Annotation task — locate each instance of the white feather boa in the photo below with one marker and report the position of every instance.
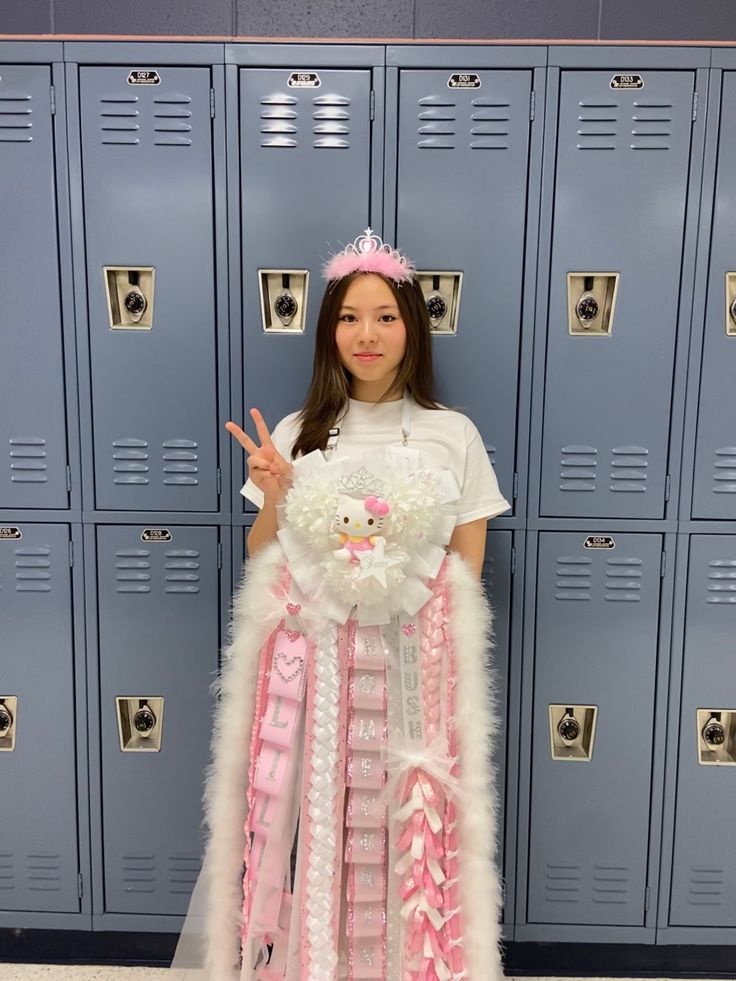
(225, 795)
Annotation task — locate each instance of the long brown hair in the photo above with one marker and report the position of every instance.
(330, 386)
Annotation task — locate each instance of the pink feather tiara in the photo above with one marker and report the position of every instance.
(368, 253)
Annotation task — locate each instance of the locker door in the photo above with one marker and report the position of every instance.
(32, 403)
(461, 200)
(704, 866)
(159, 638)
(39, 860)
(621, 190)
(148, 199)
(305, 192)
(714, 490)
(597, 617)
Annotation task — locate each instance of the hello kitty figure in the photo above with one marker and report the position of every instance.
(358, 522)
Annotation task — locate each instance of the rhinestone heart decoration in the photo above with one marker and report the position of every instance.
(292, 635)
(288, 663)
(409, 629)
(293, 609)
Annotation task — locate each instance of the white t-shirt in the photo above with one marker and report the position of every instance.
(449, 437)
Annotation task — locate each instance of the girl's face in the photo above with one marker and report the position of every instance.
(370, 337)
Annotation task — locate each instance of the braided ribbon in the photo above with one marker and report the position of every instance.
(420, 776)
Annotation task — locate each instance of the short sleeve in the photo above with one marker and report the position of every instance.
(283, 438)
(481, 496)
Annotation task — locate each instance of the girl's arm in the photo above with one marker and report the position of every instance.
(264, 528)
(470, 541)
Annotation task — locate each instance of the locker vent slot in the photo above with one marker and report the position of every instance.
(628, 467)
(562, 883)
(184, 449)
(491, 126)
(598, 126)
(119, 108)
(132, 450)
(578, 468)
(7, 877)
(183, 871)
(138, 872)
(174, 129)
(725, 471)
(129, 566)
(32, 570)
(437, 113)
(611, 884)
(181, 574)
(279, 134)
(706, 886)
(651, 122)
(722, 581)
(28, 460)
(622, 580)
(331, 135)
(43, 872)
(15, 118)
(573, 580)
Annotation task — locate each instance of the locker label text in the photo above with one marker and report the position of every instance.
(304, 80)
(144, 76)
(10, 534)
(627, 82)
(156, 535)
(599, 541)
(463, 80)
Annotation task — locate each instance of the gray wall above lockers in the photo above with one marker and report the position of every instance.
(605, 20)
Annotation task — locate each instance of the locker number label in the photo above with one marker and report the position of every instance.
(599, 541)
(627, 82)
(144, 76)
(156, 535)
(463, 80)
(304, 80)
(10, 534)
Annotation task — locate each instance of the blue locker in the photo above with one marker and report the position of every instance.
(39, 859)
(159, 636)
(305, 191)
(147, 163)
(620, 197)
(714, 478)
(596, 645)
(463, 170)
(703, 890)
(32, 402)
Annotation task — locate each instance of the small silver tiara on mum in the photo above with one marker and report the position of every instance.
(369, 253)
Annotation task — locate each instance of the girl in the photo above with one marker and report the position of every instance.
(356, 640)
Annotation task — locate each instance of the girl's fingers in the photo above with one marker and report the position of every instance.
(243, 438)
(261, 428)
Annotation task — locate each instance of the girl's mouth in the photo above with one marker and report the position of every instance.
(367, 357)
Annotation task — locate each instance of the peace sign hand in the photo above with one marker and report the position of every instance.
(266, 467)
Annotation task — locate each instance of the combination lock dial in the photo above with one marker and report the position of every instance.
(285, 306)
(714, 732)
(587, 309)
(436, 308)
(144, 721)
(6, 720)
(569, 729)
(135, 303)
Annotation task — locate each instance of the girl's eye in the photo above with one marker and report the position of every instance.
(388, 318)
(348, 318)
